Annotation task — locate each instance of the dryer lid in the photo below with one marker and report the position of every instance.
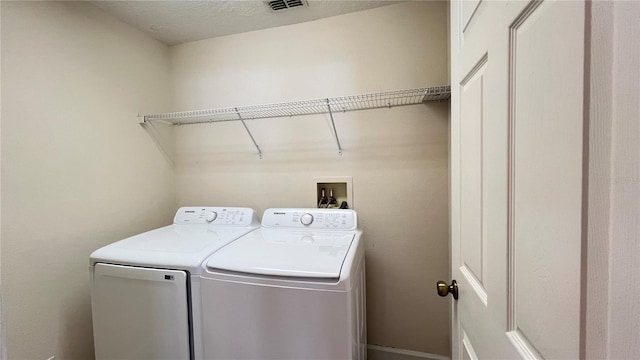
(302, 254)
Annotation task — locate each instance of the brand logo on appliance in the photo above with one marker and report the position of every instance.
(279, 213)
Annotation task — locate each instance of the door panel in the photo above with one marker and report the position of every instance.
(468, 353)
(546, 176)
(467, 11)
(516, 177)
(473, 249)
(140, 313)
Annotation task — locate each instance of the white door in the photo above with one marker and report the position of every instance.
(140, 313)
(516, 178)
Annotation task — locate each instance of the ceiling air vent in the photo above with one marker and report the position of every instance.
(280, 5)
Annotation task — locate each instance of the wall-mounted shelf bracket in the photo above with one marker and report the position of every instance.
(333, 124)
(249, 132)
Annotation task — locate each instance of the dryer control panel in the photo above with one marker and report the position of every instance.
(215, 215)
(330, 219)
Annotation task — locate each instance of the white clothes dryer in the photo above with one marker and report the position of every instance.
(293, 289)
(145, 290)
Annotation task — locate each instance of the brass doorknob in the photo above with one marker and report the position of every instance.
(444, 289)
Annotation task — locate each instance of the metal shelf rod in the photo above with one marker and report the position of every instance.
(249, 132)
(335, 132)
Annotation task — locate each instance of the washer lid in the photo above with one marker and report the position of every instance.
(182, 247)
(286, 253)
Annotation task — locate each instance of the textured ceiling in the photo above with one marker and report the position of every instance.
(176, 22)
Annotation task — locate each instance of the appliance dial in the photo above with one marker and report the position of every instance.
(211, 215)
(306, 219)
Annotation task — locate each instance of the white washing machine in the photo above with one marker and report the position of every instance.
(293, 289)
(145, 290)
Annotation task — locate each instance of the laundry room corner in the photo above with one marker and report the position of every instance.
(397, 157)
(77, 170)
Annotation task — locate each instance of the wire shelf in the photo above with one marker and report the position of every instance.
(307, 107)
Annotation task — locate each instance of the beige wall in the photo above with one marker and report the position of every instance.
(78, 172)
(2, 333)
(397, 157)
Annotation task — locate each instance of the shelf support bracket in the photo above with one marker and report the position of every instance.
(335, 132)
(249, 132)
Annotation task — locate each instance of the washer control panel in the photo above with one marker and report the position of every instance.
(330, 219)
(214, 215)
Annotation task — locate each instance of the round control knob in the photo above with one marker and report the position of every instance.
(211, 215)
(306, 219)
